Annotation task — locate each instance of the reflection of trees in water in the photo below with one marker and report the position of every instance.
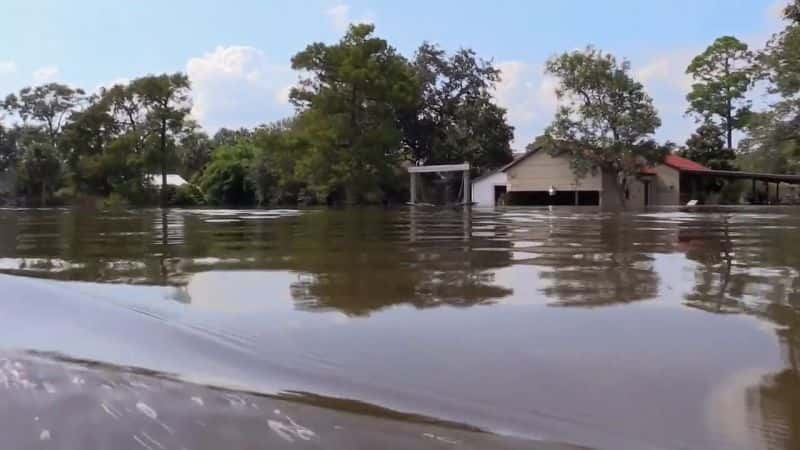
(774, 410)
(363, 261)
(750, 270)
(609, 265)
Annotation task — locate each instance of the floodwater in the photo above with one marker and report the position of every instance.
(663, 329)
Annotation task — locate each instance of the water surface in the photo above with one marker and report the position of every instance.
(664, 329)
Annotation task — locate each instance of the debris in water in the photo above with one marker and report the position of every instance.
(147, 411)
(198, 400)
(44, 435)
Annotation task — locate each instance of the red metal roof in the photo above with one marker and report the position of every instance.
(681, 163)
(678, 163)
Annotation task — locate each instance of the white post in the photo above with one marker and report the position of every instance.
(413, 188)
(467, 188)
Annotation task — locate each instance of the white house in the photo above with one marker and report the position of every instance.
(173, 179)
(539, 178)
(487, 189)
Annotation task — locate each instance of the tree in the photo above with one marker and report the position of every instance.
(8, 147)
(707, 146)
(227, 136)
(722, 75)
(49, 105)
(194, 150)
(773, 140)
(38, 168)
(273, 171)
(225, 180)
(605, 120)
(455, 118)
(351, 100)
(166, 102)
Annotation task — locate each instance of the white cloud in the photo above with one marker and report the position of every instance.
(236, 86)
(341, 18)
(340, 15)
(45, 74)
(7, 67)
(665, 80)
(529, 96)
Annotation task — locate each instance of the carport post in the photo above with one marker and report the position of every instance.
(754, 190)
(778, 192)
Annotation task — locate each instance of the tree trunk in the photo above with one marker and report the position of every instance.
(729, 125)
(163, 164)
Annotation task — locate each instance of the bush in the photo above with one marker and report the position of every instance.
(186, 195)
(226, 180)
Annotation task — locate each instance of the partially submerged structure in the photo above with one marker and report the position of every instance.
(539, 178)
(173, 179)
(415, 171)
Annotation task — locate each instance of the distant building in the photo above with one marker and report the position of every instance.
(173, 179)
(539, 178)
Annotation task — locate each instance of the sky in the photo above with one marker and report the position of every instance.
(237, 52)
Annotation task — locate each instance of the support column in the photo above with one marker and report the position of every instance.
(754, 191)
(766, 188)
(778, 192)
(413, 188)
(576, 198)
(467, 189)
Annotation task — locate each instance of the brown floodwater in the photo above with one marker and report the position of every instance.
(661, 329)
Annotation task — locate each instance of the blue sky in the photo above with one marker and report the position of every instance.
(237, 52)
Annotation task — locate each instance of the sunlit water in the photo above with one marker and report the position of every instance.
(664, 329)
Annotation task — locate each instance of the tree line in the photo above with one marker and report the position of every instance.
(363, 111)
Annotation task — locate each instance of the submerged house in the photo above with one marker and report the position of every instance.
(538, 178)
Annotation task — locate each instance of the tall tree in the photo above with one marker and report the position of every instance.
(722, 74)
(605, 120)
(351, 99)
(166, 101)
(49, 105)
(455, 118)
(707, 146)
(773, 140)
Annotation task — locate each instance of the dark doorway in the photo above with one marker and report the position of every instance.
(561, 198)
(499, 192)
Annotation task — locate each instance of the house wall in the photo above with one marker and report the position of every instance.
(541, 171)
(614, 193)
(483, 189)
(666, 188)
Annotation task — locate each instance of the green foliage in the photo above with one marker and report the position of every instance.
(455, 119)
(38, 169)
(722, 73)
(707, 146)
(48, 105)
(605, 120)
(773, 140)
(186, 195)
(350, 102)
(193, 151)
(226, 181)
(166, 102)
(273, 171)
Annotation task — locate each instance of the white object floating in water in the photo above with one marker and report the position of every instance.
(147, 411)
(44, 435)
(198, 400)
(692, 203)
